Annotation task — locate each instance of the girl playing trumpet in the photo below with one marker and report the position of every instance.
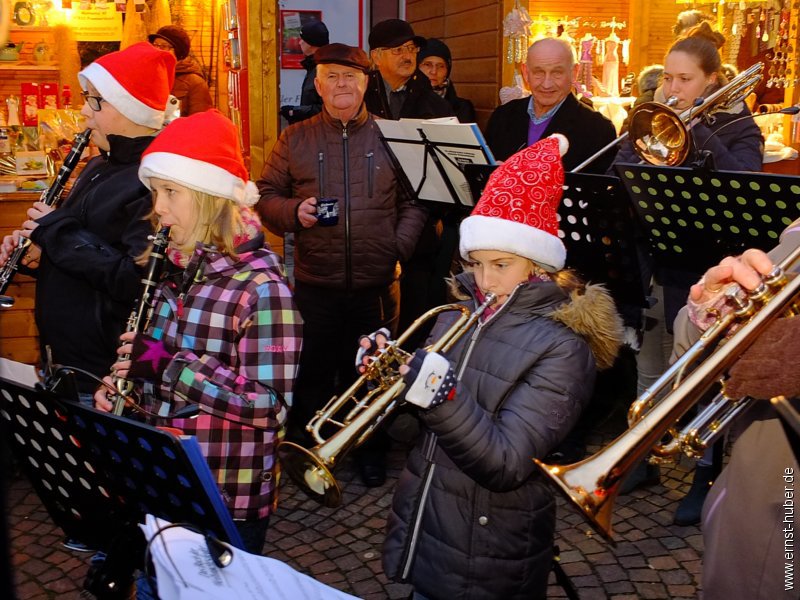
(471, 517)
(225, 335)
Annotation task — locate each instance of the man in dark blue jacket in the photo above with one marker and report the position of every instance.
(550, 71)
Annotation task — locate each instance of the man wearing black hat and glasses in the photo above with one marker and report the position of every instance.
(313, 36)
(396, 88)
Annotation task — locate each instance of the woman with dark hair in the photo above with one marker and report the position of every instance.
(692, 69)
(191, 87)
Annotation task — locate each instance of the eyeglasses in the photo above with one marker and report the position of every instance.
(406, 49)
(93, 101)
(163, 46)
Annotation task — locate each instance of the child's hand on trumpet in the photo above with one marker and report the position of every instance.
(429, 378)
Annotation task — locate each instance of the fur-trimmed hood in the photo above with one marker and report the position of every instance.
(592, 314)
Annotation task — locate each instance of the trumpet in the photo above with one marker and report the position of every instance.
(51, 196)
(141, 314)
(592, 484)
(311, 469)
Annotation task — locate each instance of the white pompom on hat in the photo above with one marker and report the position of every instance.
(136, 81)
(201, 152)
(517, 211)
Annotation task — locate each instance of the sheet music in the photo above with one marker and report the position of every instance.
(457, 144)
(18, 372)
(185, 571)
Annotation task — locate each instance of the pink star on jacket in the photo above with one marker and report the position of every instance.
(155, 353)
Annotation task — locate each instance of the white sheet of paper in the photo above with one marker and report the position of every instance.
(18, 372)
(185, 571)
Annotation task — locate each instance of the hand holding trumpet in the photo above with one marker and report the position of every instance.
(746, 270)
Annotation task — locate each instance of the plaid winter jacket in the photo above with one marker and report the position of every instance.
(234, 338)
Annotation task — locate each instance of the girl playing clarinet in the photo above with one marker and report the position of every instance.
(225, 337)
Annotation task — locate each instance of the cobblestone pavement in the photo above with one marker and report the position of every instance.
(341, 547)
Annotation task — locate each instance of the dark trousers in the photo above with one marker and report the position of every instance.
(253, 534)
(333, 320)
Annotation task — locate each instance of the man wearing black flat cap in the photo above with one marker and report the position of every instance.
(313, 36)
(190, 87)
(345, 272)
(396, 88)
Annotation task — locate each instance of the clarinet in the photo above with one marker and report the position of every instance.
(142, 311)
(51, 196)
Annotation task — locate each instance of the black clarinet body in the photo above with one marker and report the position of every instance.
(142, 312)
(51, 196)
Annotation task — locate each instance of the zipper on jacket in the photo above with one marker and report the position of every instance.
(428, 450)
(348, 261)
(370, 175)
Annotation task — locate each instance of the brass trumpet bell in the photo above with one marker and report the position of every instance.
(592, 484)
(658, 135)
(304, 465)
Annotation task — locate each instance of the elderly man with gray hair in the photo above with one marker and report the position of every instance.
(347, 257)
(550, 70)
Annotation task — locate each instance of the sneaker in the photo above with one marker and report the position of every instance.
(77, 545)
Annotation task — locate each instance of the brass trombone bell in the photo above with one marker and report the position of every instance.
(658, 134)
(592, 484)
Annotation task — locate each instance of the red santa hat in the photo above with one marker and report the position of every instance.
(136, 81)
(517, 210)
(201, 152)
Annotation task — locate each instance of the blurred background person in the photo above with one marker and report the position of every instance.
(435, 61)
(313, 36)
(190, 87)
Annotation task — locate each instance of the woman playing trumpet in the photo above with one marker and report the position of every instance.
(471, 518)
(225, 336)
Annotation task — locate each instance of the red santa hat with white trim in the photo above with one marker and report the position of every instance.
(517, 211)
(136, 81)
(201, 152)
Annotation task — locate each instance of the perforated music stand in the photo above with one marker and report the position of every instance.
(98, 473)
(693, 218)
(599, 231)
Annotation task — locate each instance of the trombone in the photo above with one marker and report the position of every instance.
(660, 136)
(592, 484)
(312, 469)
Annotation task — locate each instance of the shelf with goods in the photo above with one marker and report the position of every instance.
(27, 69)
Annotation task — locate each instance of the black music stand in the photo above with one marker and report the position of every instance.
(435, 167)
(693, 217)
(599, 231)
(98, 474)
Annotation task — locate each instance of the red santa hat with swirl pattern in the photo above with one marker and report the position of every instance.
(517, 210)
